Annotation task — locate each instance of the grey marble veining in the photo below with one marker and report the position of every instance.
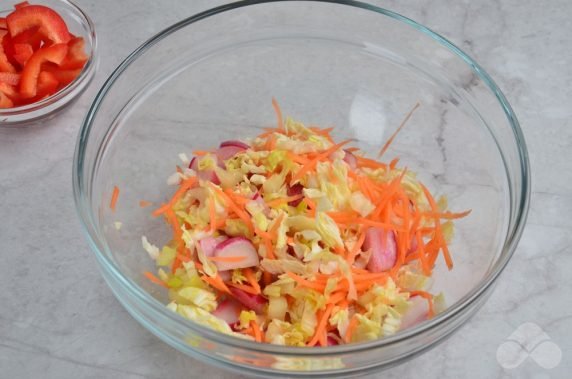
(523, 44)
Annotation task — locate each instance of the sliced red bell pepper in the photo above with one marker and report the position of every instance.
(5, 101)
(76, 57)
(29, 80)
(51, 24)
(65, 77)
(10, 78)
(5, 65)
(3, 24)
(47, 84)
(31, 36)
(21, 5)
(22, 52)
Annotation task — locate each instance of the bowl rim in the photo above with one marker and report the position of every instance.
(62, 95)
(513, 233)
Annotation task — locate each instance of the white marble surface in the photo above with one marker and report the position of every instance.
(524, 45)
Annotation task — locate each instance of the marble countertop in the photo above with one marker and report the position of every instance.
(524, 45)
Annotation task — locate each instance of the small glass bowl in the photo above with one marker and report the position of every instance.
(346, 64)
(80, 25)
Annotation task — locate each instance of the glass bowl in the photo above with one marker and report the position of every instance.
(346, 64)
(78, 24)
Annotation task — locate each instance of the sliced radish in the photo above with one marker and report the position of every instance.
(236, 247)
(332, 341)
(228, 152)
(417, 312)
(208, 244)
(383, 249)
(258, 199)
(235, 143)
(228, 310)
(225, 275)
(350, 159)
(296, 189)
(257, 303)
(208, 175)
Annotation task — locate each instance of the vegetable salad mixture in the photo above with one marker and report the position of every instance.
(295, 239)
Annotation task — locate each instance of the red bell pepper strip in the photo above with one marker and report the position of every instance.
(5, 65)
(31, 36)
(76, 57)
(47, 85)
(10, 78)
(21, 5)
(29, 80)
(3, 24)
(65, 77)
(5, 101)
(51, 24)
(22, 52)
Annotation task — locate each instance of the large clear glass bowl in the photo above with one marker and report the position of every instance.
(346, 64)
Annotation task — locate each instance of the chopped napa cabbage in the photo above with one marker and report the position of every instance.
(166, 256)
(340, 319)
(200, 297)
(366, 329)
(245, 318)
(361, 204)
(275, 186)
(151, 249)
(284, 333)
(228, 178)
(257, 179)
(283, 286)
(277, 307)
(208, 162)
(439, 304)
(411, 281)
(238, 277)
(237, 228)
(328, 229)
(275, 158)
(201, 316)
(281, 266)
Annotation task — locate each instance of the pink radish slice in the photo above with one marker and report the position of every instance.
(228, 152)
(208, 245)
(253, 302)
(228, 310)
(350, 159)
(225, 275)
(208, 175)
(235, 143)
(296, 189)
(257, 198)
(236, 247)
(417, 312)
(332, 341)
(383, 249)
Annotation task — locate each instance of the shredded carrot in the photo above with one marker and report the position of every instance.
(321, 327)
(350, 329)
(390, 140)
(278, 114)
(310, 165)
(429, 299)
(216, 282)
(201, 153)
(184, 186)
(212, 215)
(239, 212)
(154, 279)
(438, 232)
(114, 197)
(249, 274)
(306, 283)
(227, 259)
(144, 203)
(245, 288)
(284, 200)
(256, 330)
(447, 215)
